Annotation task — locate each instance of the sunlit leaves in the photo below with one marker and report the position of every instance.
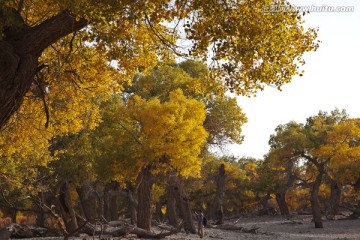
(172, 129)
(249, 47)
(329, 138)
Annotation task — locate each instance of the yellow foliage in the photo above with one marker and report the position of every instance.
(173, 129)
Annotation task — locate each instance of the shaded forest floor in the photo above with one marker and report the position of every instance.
(269, 227)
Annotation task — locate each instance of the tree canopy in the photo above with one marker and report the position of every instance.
(244, 46)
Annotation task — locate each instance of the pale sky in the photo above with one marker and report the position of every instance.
(331, 80)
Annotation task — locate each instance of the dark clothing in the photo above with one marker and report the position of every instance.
(200, 219)
(200, 224)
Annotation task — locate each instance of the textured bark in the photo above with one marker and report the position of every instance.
(314, 190)
(171, 213)
(144, 214)
(111, 196)
(210, 213)
(314, 199)
(281, 201)
(19, 53)
(335, 196)
(67, 209)
(133, 205)
(184, 206)
(89, 200)
(264, 202)
(220, 193)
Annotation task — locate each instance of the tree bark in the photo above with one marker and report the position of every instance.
(264, 202)
(171, 212)
(314, 190)
(335, 196)
(144, 214)
(133, 205)
(19, 53)
(184, 206)
(220, 192)
(67, 208)
(111, 196)
(281, 201)
(315, 205)
(89, 200)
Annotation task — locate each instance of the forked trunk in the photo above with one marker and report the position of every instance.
(281, 201)
(20, 50)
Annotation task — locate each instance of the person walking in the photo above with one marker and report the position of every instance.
(200, 218)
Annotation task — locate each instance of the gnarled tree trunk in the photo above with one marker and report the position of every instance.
(20, 50)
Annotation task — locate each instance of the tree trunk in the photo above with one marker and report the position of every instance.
(112, 189)
(107, 206)
(210, 211)
(281, 201)
(171, 200)
(335, 196)
(315, 205)
(220, 192)
(314, 190)
(89, 200)
(133, 204)
(144, 215)
(19, 53)
(67, 208)
(185, 211)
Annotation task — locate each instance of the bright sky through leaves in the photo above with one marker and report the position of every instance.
(331, 80)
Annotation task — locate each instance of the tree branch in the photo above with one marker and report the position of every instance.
(36, 39)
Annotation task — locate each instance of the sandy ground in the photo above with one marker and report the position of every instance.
(269, 227)
(277, 227)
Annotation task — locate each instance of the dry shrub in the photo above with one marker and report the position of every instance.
(4, 222)
(26, 219)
